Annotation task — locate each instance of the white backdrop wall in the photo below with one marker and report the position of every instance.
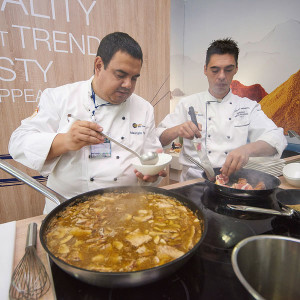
(267, 32)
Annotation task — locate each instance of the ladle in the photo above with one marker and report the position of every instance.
(148, 158)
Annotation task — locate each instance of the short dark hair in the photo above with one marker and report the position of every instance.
(223, 46)
(118, 41)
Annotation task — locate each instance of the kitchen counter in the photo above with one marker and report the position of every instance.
(21, 228)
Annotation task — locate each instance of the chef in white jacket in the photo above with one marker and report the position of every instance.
(63, 139)
(230, 128)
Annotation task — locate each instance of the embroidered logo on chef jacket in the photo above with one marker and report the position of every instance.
(241, 117)
(138, 132)
(241, 112)
(134, 125)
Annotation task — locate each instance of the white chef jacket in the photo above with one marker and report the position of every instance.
(226, 125)
(73, 173)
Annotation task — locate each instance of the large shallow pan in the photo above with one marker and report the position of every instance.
(107, 279)
(252, 176)
(284, 198)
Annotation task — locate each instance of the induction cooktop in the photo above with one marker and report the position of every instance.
(208, 274)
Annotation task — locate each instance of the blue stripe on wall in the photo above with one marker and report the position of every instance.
(5, 156)
(15, 181)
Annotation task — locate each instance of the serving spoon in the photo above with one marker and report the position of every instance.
(148, 158)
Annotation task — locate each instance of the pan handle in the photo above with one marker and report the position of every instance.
(50, 194)
(287, 212)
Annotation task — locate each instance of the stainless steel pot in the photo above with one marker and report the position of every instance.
(105, 279)
(268, 266)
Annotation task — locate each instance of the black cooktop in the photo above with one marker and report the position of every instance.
(208, 274)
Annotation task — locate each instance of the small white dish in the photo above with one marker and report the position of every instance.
(291, 173)
(163, 160)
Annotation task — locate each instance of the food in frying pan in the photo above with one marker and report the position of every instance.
(294, 206)
(123, 232)
(242, 183)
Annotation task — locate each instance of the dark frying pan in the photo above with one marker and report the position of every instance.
(284, 198)
(107, 279)
(253, 177)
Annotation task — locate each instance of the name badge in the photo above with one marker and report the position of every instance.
(101, 150)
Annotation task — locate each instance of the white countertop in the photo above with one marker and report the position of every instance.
(7, 250)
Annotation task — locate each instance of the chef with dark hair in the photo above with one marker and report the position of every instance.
(63, 139)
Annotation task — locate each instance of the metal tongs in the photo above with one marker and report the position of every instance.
(204, 163)
(293, 133)
(210, 177)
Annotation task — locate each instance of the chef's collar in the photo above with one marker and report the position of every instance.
(219, 100)
(100, 102)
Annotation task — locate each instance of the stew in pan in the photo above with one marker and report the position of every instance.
(122, 232)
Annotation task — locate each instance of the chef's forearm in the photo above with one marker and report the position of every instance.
(58, 146)
(169, 135)
(260, 148)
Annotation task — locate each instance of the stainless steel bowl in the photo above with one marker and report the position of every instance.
(268, 266)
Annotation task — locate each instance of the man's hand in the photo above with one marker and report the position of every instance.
(189, 130)
(235, 160)
(239, 157)
(153, 178)
(148, 178)
(80, 134)
(186, 130)
(83, 133)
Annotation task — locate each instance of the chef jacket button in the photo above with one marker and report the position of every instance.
(209, 135)
(117, 157)
(123, 118)
(226, 152)
(91, 179)
(115, 179)
(209, 119)
(230, 102)
(122, 138)
(228, 136)
(209, 152)
(229, 119)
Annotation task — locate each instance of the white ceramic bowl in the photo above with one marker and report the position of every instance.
(291, 173)
(163, 160)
